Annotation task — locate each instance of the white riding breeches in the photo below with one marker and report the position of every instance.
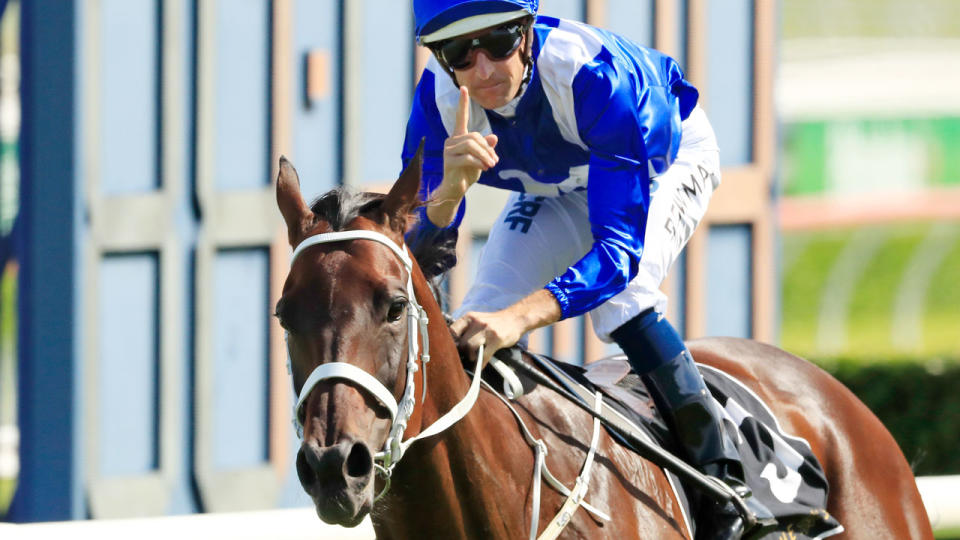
(537, 238)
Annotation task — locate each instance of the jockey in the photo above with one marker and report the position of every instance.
(612, 163)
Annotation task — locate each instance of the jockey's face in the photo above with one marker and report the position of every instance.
(492, 82)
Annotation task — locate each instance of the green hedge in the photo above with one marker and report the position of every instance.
(6, 494)
(918, 401)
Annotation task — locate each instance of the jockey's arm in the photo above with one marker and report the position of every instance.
(504, 328)
(632, 130)
(465, 156)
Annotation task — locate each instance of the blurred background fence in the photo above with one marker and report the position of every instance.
(869, 99)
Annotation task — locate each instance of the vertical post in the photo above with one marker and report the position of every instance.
(352, 95)
(49, 486)
(597, 12)
(765, 291)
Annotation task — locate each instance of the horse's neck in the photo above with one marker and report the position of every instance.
(433, 480)
(446, 380)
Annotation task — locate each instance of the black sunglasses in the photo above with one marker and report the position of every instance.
(499, 43)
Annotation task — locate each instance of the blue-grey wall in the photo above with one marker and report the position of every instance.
(729, 96)
(729, 284)
(129, 60)
(633, 19)
(129, 364)
(242, 93)
(240, 347)
(387, 87)
(567, 9)
(316, 129)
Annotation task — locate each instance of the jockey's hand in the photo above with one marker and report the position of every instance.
(465, 156)
(495, 331)
(504, 328)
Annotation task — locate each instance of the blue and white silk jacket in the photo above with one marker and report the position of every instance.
(600, 113)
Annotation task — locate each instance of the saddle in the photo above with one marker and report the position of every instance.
(781, 469)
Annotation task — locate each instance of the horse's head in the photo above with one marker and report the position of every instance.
(346, 307)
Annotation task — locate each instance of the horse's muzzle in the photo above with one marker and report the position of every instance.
(339, 479)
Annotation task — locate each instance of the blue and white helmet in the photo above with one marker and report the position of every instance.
(443, 19)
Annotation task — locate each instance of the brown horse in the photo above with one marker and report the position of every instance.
(346, 302)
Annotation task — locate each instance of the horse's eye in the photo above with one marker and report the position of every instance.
(278, 313)
(302, 415)
(396, 310)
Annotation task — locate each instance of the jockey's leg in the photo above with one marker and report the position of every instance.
(657, 353)
(633, 319)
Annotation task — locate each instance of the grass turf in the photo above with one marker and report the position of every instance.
(809, 257)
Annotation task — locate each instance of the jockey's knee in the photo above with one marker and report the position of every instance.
(648, 340)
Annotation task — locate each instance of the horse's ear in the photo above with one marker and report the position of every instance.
(403, 196)
(296, 213)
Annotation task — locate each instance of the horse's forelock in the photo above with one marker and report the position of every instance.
(338, 207)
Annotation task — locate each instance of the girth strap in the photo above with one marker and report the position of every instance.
(541, 470)
(575, 499)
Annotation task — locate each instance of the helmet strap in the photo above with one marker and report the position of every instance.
(446, 68)
(527, 56)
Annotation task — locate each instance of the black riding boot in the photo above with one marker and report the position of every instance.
(694, 417)
(696, 421)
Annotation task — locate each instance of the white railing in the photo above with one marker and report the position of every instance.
(940, 495)
(293, 524)
(9, 459)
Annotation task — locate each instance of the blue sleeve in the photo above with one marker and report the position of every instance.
(425, 123)
(620, 118)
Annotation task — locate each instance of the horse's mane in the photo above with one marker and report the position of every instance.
(434, 250)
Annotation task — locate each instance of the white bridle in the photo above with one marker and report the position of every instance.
(394, 447)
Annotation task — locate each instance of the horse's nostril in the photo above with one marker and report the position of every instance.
(304, 471)
(359, 462)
